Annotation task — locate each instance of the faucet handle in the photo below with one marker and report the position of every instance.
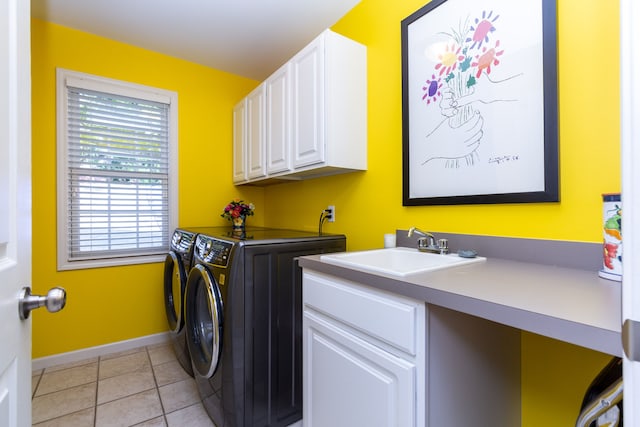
(443, 244)
(423, 243)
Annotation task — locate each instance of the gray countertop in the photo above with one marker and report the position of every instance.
(565, 303)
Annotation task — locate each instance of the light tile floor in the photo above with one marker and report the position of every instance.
(141, 387)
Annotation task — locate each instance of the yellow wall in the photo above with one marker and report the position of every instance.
(369, 204)
(555, 376)
(113, 304)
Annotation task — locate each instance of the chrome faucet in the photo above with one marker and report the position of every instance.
(431, 238)
(427, 243)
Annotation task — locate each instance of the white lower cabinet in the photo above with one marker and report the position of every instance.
(375, 358)
(363, 355)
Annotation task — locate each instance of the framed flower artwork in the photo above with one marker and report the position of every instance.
(479, 103)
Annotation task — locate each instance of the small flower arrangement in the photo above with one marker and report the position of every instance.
(237, 208)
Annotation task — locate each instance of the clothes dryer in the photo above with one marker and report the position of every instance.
(177, 264)
(243, 309)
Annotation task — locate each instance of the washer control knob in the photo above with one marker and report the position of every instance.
(55, 300)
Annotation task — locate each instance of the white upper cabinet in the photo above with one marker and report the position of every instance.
(330, 105)
(278, 111)
(249, 161)
(315, 114)
(308, 103)
(240, 142)
(256, 161)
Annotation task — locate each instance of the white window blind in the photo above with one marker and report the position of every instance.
(117, 175)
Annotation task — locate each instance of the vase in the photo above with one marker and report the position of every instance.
(238, 224)
(612, 240)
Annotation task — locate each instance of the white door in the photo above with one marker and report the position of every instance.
(630, 118)
(15, 211)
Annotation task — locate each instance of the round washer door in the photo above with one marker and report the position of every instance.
(203, 312)
(175, 283)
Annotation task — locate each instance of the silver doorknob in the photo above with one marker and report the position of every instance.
(54, 301)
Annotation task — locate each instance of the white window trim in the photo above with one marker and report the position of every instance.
(103, 84)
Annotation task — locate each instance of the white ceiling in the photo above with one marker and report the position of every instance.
(250, 38)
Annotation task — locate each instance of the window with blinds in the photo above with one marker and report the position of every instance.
(116, 152)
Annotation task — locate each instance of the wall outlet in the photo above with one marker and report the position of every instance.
(331, 213)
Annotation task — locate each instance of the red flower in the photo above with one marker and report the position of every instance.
(237, 208)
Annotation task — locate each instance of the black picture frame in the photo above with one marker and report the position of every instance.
(465, 143)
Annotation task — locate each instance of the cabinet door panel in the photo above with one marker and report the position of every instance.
(308, 105)
(256, 167)
(400, 326)
(349, 382)
(278, 132)
(239, 142)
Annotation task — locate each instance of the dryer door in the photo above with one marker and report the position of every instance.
(203, 312)
(175, 281)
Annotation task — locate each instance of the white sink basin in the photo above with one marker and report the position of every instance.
(397, 261)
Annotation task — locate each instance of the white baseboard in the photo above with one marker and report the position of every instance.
(101, 350)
